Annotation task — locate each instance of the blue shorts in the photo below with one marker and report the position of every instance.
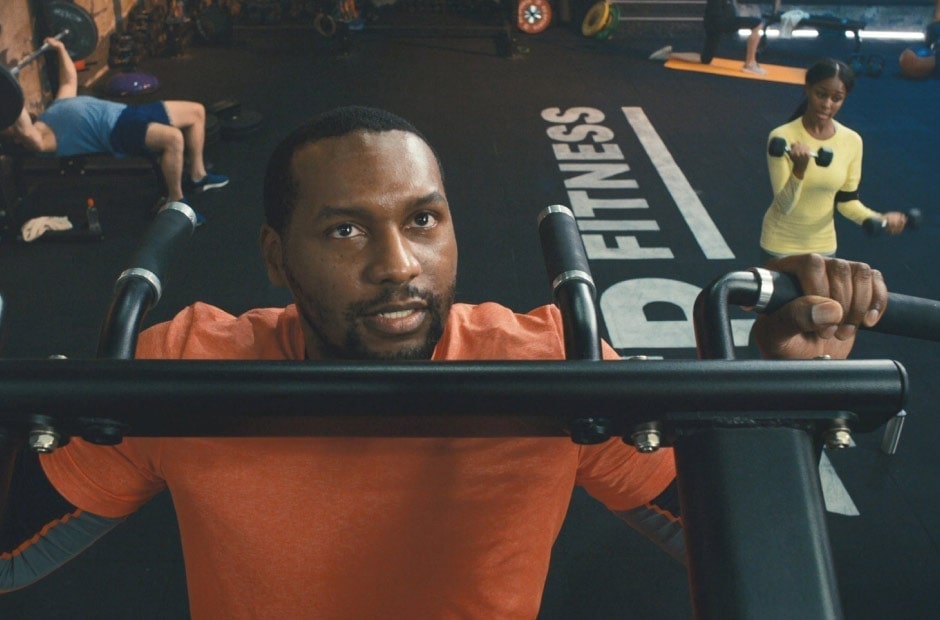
(130, 130)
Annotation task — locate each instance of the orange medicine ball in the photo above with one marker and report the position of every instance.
(917, 64)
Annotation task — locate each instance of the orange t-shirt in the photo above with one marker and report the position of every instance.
(359, 527)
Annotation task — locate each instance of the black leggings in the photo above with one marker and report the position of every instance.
(714, 32)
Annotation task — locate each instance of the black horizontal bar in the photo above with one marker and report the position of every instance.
(219, 398)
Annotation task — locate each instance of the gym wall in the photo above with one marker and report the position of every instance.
(16, 42)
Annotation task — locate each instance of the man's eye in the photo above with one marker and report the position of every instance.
(425, 220)
(344, 231)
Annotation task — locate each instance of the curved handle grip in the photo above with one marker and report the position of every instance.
(913, 317)
(572, 284)
(170, 230)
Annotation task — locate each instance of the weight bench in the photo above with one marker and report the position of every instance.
(818, 22)
(86, 165)
(46, 185)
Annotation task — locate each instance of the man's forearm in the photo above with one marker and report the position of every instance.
(68, 75)
(41, 530)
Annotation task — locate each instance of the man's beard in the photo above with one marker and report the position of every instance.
(353, 348)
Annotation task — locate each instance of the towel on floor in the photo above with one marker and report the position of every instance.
(36, 227)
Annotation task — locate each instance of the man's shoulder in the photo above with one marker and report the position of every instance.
(493, 331)
(209, 332)
(493, 313)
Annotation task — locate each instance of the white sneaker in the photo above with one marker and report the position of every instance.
(756, 69)
(662, 53)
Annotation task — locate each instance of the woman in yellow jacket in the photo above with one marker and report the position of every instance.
(801, 219)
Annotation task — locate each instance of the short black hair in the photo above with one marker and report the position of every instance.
(280, 188)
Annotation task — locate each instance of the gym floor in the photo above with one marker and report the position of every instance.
(484, 113)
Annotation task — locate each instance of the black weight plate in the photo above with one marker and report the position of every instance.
(213, 128)
(225, 108)
(241, 124)
(82, 38)
(214, 24)
(11, 98)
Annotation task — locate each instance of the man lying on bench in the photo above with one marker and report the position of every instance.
(76, 125)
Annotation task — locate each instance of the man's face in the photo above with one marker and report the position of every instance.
(369, 253)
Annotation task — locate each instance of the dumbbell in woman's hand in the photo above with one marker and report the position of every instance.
(874, 226)
(778, 147)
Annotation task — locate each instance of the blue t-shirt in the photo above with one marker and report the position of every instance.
(82, 124)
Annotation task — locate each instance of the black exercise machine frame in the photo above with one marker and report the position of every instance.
(757, 543)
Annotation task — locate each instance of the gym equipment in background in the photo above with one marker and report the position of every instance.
(127, 47)
(601, 20)
(75, 27)
(533, 16)
(234, 120)
(917, 62)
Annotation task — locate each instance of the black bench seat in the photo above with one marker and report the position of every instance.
(819, 22)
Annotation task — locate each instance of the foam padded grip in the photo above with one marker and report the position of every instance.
(169, 231)
(562, 248)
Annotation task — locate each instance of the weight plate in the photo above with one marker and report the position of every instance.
(325, 25)
(612, 22)
(596, 19)
(11, 98)
(241, 124)
(215, 24)
(213, 128)
(533, 16)
(82, 38)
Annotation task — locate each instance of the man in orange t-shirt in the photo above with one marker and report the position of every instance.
(359, 229)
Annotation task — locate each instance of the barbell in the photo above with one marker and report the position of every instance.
(75, 27)
(15, 70)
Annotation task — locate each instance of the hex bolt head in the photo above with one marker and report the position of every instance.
(43, 440)
(838, 437)
(646, 440)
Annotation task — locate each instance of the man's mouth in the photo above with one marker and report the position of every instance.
(397, 321)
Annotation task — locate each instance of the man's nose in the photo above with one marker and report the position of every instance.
(394, 259)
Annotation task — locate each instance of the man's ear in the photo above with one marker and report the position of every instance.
(272, 251)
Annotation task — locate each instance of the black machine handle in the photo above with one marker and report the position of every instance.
(139, 287)
(766, 291)
(914, 317)
(572, 284)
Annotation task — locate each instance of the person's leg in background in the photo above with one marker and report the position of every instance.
(189, 118)
(167, 141)
(750, 55)
(712, 38)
